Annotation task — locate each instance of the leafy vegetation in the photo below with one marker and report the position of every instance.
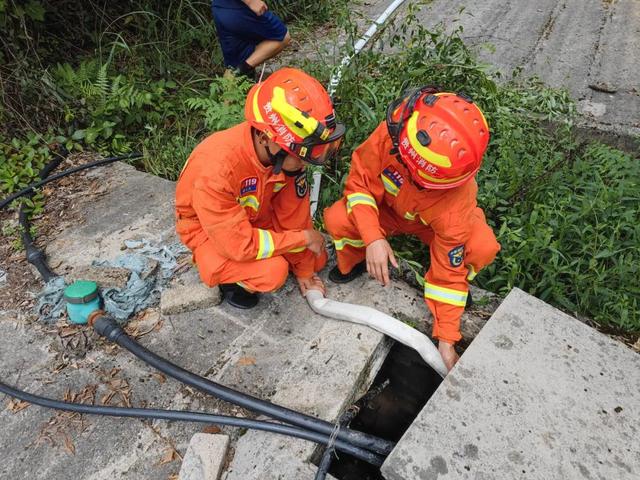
(563, 211)
(150, 79)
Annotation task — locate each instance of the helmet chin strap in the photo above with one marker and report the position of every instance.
(276, 159)
(294, 173)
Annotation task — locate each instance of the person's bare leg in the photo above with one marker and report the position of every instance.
(267, 49)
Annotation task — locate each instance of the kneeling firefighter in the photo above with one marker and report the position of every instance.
(242, 200)
(415, 175)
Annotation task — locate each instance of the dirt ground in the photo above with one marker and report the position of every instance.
(22, 281)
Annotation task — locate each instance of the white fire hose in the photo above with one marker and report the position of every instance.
(350, 312)
(381, 322)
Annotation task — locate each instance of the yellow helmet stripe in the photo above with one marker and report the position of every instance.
(424, 152)
(443, 181)
(295, 120)
(484, 120)
(256, 107)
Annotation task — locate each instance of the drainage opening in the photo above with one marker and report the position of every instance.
(390, 413)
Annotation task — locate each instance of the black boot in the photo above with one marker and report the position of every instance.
(338, 277)
(247, 70)
(238, 297)
(469, 300)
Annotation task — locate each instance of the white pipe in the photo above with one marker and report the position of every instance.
(335, 80)
(315, 191)
(362, 41)
(381, 322)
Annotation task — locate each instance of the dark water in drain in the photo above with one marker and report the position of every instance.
(389, 415)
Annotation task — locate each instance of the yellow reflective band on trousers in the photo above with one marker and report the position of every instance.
(266, 246)
(360, 198)
(410, 216)
(278, 186)
(445, 295)
(297, 250)
(249, 201)
(341, 242)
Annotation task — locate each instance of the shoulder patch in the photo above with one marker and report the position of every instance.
(456, 256)
(392, 180)
(248, 185)
(394, 175)
(301, 185)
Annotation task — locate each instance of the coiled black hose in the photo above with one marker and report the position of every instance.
(357, 444)
(108, 328)
(186, 416)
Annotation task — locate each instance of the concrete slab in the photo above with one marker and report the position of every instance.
(584, 47)
(205, 457)
(135, 205)
(279, 351)
(186, 298)
(537, 395)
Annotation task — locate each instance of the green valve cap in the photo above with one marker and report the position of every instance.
(82, 299)
(81, 291)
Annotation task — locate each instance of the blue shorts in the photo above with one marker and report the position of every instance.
(240, 30)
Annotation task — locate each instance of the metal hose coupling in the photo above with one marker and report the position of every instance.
(105, 326)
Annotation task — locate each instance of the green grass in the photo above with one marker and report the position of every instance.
(565, 212)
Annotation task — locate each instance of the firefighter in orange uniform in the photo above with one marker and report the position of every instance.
(415, 175)
(242, 200)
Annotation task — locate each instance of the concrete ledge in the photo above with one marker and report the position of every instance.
(187, 298)
(205, 457)
(537, 395)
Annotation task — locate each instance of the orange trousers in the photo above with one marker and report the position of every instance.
(479, 251)
(257, 276)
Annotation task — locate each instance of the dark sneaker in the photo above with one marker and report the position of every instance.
(238, 297)
(338, 277)
(247, 70)
(469, 300)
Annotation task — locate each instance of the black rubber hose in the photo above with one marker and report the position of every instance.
(108, 328)
(327, 457)
(186, 416)
(98, 163)
(344, 421)
(34, 255)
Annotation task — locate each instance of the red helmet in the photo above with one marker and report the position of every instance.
(296, 112)
(440, 137)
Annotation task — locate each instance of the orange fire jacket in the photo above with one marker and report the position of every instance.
(378, 180)
(224, 194)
